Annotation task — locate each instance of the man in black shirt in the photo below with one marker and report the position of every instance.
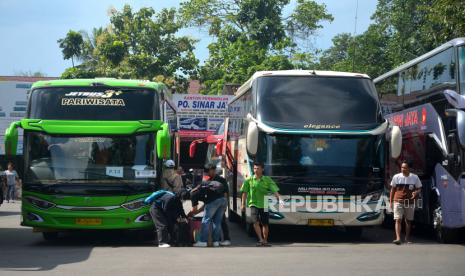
(213, 192)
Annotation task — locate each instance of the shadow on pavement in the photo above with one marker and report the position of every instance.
(23, 250)
(9, 213)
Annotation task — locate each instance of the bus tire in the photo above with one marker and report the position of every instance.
(442, 234)
(50, 236)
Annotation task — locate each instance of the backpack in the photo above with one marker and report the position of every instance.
(215, 186)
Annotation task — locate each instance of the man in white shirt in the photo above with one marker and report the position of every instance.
(405, 188)
(11, 177)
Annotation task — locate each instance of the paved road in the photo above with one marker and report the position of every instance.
(296, 251)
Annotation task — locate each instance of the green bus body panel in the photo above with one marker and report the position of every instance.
(91, 127)
(106, 82)
(58, 218)
(117, 218)
(11, 139)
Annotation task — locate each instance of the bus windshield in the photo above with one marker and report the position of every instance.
(56, 159)
(306, 156)
(318, 102)
(94, 103)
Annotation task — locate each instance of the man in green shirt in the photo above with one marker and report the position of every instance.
(254, 189)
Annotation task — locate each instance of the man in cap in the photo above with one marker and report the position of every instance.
(171, 181)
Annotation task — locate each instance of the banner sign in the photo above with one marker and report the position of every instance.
(200, 115)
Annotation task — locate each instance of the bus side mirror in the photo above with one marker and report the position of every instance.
(252, 139)
(11, 139)
(395, 142)
(460, 117)
(192, 149)
(163, 142)
(219, 147)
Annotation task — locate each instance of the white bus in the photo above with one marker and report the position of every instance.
(320, 135)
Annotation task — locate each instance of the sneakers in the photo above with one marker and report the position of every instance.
(164, 245)
(200, 244)
(216, 244)
(398, 242)
(225, 243)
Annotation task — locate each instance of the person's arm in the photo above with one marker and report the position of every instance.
(195, 203)
(244, 199)
(391, 196)
(226, 187)
(392, 192)
(180, 209)
(417, 190)
(178, 185)
(244, 189)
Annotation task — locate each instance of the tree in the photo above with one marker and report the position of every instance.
(30, 73)
(446, 21)
(71, 45)
(402, 30)
(251, 35)
(141, 45)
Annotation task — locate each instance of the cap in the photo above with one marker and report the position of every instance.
(169, 163)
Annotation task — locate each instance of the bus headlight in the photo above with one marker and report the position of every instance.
(134, 205)
(39, 203)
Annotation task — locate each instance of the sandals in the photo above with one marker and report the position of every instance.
(262, 244)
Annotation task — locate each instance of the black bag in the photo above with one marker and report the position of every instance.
(182, 234)
(214, 186)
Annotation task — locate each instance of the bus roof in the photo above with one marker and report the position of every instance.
(259, 74)
(97, 82)
(454, 42)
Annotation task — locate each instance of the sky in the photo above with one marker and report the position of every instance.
(29, 29)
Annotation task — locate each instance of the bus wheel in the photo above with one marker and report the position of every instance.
(354, 232)
(50, 236)
(443, 234)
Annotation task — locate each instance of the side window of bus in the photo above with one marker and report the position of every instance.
(431, 75)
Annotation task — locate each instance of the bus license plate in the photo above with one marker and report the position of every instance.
(88, 221)
(321, 222)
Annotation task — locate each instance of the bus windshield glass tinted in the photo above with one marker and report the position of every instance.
(94, 103)
(315, 102)
(52, 159)
(296, 155)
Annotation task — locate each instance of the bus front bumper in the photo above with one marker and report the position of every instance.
(58, 219)
(349, 217)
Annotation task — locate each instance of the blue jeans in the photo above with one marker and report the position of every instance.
(214, 212)
(10, 192)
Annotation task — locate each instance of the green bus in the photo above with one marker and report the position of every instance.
(93, 150)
